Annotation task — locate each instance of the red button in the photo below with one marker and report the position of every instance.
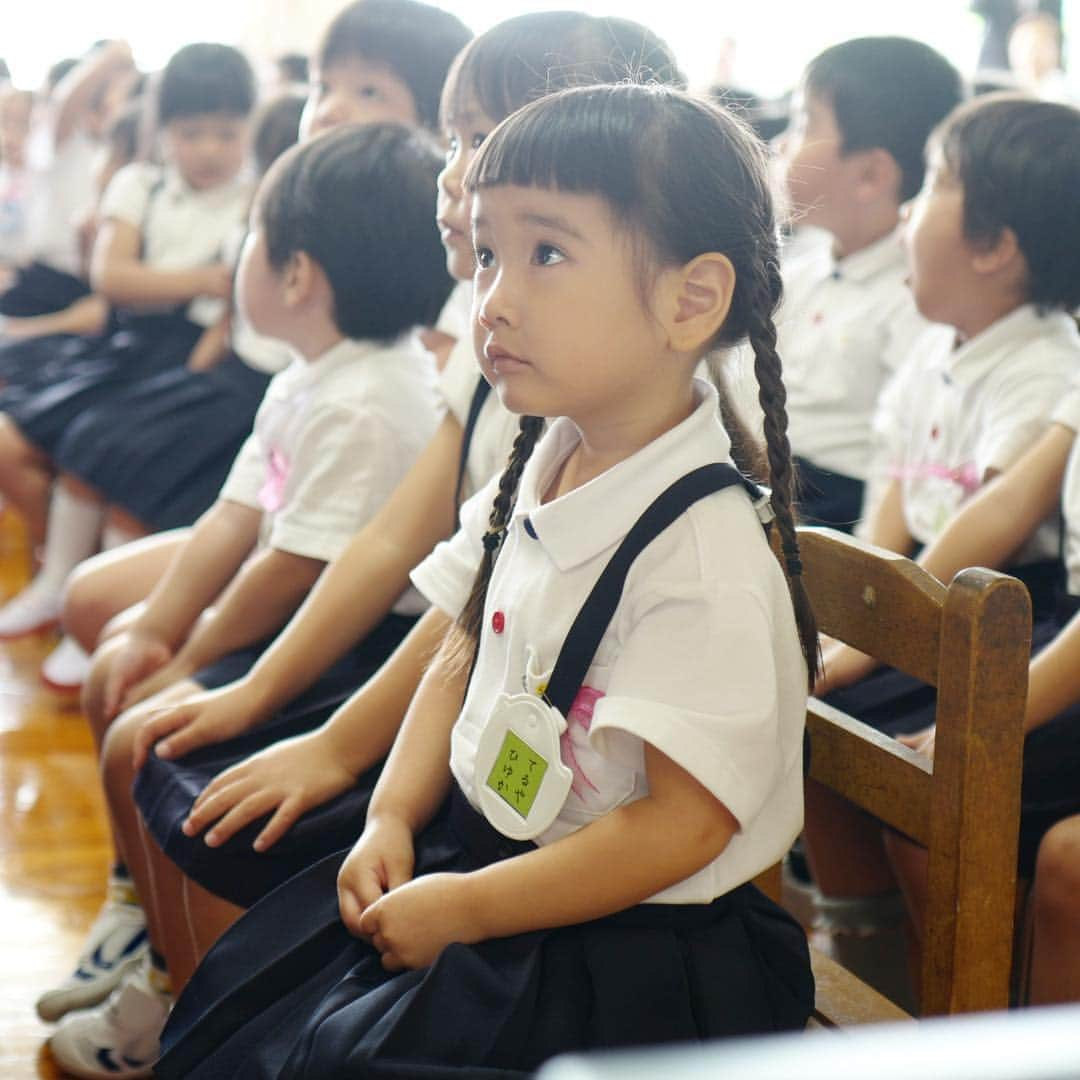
(498, 622)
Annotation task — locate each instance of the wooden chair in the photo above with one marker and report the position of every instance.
(972, 641)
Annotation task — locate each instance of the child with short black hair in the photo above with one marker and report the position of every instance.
(342, 262)
(988, 262)
(853, 155)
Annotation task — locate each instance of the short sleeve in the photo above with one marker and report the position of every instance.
(247, 475)
(697, 679)
(128, 194)
(342, 470)
(1019, 413)
(458, 379)
(445, 577)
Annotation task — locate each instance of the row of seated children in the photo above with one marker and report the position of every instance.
(586, 44)
(138, 648)
(128, 425)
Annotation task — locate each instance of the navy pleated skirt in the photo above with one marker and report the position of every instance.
(39, 289)
(288, 992)
(899, 704)
(163, 446)
(165, 790)
(96, 372)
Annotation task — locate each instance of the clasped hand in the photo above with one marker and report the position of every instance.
(408, 921)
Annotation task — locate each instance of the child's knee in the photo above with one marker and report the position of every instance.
(88, 604)
(117, 770)
(1057, 868)
(15, 450)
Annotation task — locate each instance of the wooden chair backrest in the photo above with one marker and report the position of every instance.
(972, 641)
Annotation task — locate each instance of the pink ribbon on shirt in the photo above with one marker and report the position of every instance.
(272, 493)
(966, 476)
(581, 713)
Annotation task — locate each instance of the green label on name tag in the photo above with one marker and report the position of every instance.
(517, 773)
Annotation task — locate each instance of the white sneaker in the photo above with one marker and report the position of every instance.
(116, 943)
(118, 1038)
(66, 667)
(37, 607)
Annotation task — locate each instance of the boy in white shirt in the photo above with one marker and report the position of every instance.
(853, 155)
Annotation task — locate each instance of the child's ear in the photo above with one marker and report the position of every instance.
(991, 258)
(700, 299)
(878, 174)
(300, 276)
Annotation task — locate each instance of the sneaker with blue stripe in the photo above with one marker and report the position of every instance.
(115, 944)
(118, 1039)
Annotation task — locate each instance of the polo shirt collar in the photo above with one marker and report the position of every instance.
(880, 256)
(578, 526)
(176, 187)
(979, 355)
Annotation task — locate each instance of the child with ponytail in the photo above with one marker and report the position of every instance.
(633, 660)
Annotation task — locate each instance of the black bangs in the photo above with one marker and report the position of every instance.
(583, 140)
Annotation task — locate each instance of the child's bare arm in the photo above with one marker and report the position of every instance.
(361, 584)
(1003, 514)
(258, 601)
(75, 95)
(220, 541)
(296, 775)
(618, 861)
(118, 272)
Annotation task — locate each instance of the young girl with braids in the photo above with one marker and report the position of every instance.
(633, 659)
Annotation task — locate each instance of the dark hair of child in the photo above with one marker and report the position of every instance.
(887, 93)
(617, 142)
(1018, 162)
(205, 78)
(358, 200)
(531, 55)
(54, 76)
(125, 131)
(294, 66)
(416, 41)
(277, 127)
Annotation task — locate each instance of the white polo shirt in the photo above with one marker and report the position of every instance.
(954, 414)
(332, 440)
(496, 428)
(62, 196)
(701, 659)
(842, 330)
(181, 228)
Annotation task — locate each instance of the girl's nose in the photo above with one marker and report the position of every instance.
(494, 307)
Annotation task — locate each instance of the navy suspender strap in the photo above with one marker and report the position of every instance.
(579, 648)
(480, 395)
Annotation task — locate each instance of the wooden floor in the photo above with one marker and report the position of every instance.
(54, 848)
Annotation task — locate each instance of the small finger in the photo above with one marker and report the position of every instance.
(237, 818)
(285, 817)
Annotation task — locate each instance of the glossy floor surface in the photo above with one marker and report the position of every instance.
(54, 849)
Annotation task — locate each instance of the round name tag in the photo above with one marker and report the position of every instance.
(521, 778)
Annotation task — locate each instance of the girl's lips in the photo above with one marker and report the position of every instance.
(501, 359)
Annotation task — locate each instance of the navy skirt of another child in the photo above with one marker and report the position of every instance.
(827, 498)
(899, 704)
(162, 447)
(39, 289)
(165, 790)
(139, 346)
(287, 992)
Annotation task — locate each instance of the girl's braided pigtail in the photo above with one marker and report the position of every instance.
(773, 399)
(467, 631)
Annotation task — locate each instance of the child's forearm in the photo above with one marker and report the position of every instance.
(259, 600)
(416, 777)
(363, 729)
(888, 529)
(1004, 513)
(220, 541)
(134, 284)
(618, 861)
(86, 317)
(1054, 677)
(360, 586)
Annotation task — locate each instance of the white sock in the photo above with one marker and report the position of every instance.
(113, 536)
(72, 535)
